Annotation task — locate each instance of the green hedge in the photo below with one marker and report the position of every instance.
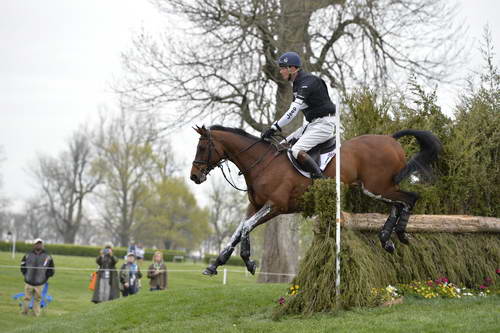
(233, 260)
(87, 251)
(466, 259)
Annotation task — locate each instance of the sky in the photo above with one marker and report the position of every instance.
(58, 61)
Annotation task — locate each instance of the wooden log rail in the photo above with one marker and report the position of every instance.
(425, 223)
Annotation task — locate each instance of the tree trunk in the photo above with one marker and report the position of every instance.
(281, 249)
(281, 241)
(69, 236)
(425, 223)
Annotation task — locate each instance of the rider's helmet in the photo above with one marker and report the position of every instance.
(289, 59)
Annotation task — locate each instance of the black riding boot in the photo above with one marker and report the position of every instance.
(310, 165)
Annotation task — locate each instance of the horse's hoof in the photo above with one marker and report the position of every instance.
(251, 267)
(403, 237)
(384, 236)
(210, 271)
(389, 247)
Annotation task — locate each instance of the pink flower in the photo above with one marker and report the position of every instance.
(498, 271)
(429, 283)
(281, 301)
(442, 280)
(482, 286)
(488, 281)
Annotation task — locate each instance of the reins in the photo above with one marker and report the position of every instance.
(225, 157)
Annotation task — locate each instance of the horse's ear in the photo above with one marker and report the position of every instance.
(200, 130)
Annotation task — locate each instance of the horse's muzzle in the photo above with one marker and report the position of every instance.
(198, 179)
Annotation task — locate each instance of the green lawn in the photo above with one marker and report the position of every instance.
(198, 303)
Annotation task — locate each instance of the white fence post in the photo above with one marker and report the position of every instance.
(224, 279)
(337, 180)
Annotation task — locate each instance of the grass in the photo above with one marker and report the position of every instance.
(196, 303)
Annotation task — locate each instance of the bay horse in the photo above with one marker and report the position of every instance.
(377, 163)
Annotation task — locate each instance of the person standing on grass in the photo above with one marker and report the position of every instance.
(157, 273)
(139, 253)
(130, 274)
(107, 285)
(37, 267)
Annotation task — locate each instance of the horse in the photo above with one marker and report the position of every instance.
(377, 163)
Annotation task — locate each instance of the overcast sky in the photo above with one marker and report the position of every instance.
(58, 58)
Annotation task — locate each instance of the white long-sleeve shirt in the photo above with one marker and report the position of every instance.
(297, 105)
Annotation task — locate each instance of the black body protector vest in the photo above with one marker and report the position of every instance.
(313, 91)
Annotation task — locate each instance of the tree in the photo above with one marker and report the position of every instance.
(3, 200)
(226, 70)
(37, 223)
(124, 158)
(170, 217)
(231, 71)
(473, 163)
(65, 182)
(227, 210)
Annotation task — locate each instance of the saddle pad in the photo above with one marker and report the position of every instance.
(324, 159)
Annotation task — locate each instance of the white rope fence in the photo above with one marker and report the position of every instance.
(224, 279)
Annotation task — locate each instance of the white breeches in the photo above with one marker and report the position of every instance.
(311, 134)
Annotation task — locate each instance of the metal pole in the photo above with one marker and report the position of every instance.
(224, 279)
(14, 238)
(14, 245)
(337, 181)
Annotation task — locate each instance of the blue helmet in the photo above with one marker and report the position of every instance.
(289, 59)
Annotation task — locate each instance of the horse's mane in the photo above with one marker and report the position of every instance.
(238, 131)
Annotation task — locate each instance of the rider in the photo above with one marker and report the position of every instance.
(310, 95)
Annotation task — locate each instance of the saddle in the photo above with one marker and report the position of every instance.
(322, 154)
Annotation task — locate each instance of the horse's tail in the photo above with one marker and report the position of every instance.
(430, 147)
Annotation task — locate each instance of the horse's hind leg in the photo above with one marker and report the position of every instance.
(403, 203)
(404, 215)
(386, 231)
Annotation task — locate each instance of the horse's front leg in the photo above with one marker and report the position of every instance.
(226, 252)
(263, 215)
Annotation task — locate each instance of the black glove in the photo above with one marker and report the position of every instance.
(268, 133)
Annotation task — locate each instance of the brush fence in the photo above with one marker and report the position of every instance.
(465, 249)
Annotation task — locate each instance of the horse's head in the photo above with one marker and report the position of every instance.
(209, 154)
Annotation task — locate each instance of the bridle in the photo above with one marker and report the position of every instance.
(210, 166)
(223, 159)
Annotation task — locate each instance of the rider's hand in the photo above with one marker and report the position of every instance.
(269, 132)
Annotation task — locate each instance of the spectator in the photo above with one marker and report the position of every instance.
(130, 274)
(107, 286)
(131, 249)
(139, 253)
(157, 273)
(37, 267)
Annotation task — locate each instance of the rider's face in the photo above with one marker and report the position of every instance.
(288, 73)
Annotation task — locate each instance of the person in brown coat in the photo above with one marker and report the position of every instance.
(157, 273)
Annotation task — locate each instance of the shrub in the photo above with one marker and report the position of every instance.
(87, 251)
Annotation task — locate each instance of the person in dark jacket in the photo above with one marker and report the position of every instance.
(310, 96)
(130, 274)
(37, 267)
(107, 285)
